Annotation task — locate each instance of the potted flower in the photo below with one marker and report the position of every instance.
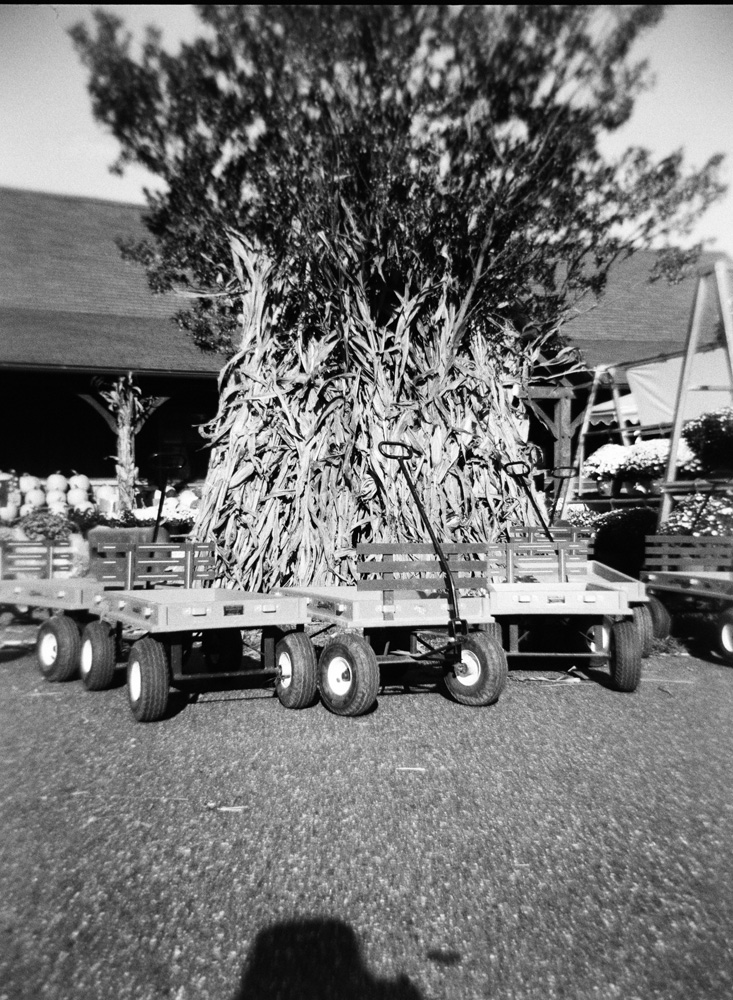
(710, 436)
(603, 465)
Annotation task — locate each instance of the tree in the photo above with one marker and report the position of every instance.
(413, 194)
(125, 412)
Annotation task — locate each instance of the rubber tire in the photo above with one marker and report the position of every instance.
(625, 659)
(58, 645)
(485, 654)
(97, 660)
(222, 649)
(148, 691)
(494, 631)
(724, 635)
(361, 662)
(645, 628)
(297, 671)
(661, 618)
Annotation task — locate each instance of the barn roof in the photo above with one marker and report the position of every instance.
(637, 319)
(68, 301)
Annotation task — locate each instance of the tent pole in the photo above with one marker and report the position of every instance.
(580, 449)
(693, 336)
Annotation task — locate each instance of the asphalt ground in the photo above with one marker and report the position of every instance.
(568, 842)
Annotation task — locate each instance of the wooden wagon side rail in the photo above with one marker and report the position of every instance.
(131, 565)
(675, 553)
(24, 560)
(475, 566)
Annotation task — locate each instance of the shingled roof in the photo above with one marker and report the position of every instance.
(637, 319)
(69, 302)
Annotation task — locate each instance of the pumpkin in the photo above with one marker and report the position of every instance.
(8, 513)
(77, 496)
(187, 498)
(107, 493)
(57, 483)
(35, 497)
(79, 482)
(58, 507)
(26, 508)
(55, 496)
(27, 483)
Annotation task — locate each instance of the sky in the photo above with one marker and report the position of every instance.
(50, 142)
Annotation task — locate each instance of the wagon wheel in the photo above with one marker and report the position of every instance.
(297, 673)
(661, 618)
(724, 635)
(57, 648)
(148, 680)
(97, 660)
(625, 656)
(480, 676)
(348, 675)
(645, 627)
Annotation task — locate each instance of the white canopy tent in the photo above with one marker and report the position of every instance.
(666, 391)
(654, 386)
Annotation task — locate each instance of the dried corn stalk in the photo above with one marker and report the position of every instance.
(296, 478)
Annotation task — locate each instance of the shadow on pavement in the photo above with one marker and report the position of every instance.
(314, 960)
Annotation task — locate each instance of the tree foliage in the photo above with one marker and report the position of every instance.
(387, 212)
(461, 142)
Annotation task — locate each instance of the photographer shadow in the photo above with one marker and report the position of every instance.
(318, 959)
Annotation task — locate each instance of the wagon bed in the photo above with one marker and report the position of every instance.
(403, 585)
(690, 566)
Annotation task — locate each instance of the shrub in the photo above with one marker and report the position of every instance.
(711, 438)
(701, 514)
(620, 538)
(641, 460)
(42, 526)
(604, 463)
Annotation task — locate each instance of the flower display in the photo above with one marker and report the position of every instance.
(701, 514)
(710, 436)
(604, 463)
(641, 460)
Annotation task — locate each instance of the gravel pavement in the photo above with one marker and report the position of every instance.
(569, 842)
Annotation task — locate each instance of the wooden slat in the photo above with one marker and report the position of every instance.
(373, 566)
(432, 583)
(664, 552)
(418, 548)
(34, 560)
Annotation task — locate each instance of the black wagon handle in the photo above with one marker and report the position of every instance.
(400, 451)
(397, 449)
(517, 469)
(563, 472)
(520, 471)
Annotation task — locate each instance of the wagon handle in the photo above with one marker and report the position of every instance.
(517, 469)
(563, 472)
(400, 450)
(520, 471)
(397, 449)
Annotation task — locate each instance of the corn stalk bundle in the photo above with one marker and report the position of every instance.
(296, 478)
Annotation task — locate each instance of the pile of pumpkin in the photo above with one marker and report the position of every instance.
(57, 495)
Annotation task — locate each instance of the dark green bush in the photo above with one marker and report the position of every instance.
(711, 438)
(619, 539)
